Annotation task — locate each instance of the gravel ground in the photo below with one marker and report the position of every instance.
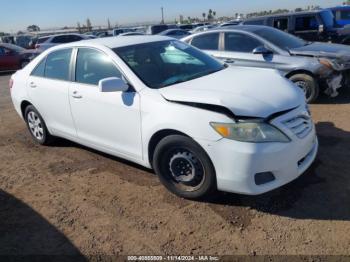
(68, 199)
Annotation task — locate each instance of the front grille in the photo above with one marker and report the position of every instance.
(300, 125)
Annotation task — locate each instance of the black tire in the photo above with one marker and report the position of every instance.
(36, 126)
(175, 155)
(309, 85)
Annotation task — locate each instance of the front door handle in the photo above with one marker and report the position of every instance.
(32, 85)
(76, 95)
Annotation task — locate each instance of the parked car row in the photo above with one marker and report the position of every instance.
(309, 65)
(14, 57)
(153, 100)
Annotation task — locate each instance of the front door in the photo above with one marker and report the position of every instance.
(109, 120)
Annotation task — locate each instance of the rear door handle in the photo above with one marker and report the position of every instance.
(76, 95)
(32, 85)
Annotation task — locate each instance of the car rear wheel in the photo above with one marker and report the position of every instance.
(184, 168)
(308, 84)
(37, 126)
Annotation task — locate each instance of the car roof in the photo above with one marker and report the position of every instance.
(49, 36)
(286, 14)
(250, 28)
(115, 42)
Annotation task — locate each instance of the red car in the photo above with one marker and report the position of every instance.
(14, 57)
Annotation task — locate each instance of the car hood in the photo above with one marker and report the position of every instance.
(248, 92)
(323, 50)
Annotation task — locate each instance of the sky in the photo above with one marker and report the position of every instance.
(18, 14)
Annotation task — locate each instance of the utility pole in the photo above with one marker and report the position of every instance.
(162, 9)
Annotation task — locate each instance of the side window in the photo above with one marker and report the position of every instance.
(58, 39)
(281, 23)
(237, 42)
(57, 64)
(207, 41)
(305, 23)
(254, 22)
(2, 51)
(93, 66)
(39, 70)
(72, 38)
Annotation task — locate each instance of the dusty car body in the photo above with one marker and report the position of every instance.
(266, 47)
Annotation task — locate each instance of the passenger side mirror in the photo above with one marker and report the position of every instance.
(112, 84)
(262, 50)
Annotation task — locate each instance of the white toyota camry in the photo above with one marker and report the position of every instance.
(166, 105)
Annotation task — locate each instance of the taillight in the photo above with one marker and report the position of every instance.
(10, 83)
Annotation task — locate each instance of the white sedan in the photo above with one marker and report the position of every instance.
(166, 105)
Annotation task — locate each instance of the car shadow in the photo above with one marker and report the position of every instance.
(323, 192)
(25, 234)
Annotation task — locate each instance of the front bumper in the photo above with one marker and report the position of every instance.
(237, 163)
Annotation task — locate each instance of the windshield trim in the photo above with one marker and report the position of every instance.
(116, 51)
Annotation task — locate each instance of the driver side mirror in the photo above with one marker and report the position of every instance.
(112, 84)
(262, 50)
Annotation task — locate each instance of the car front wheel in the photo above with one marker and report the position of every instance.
(308, 84)
(37, 126)
(184, 168)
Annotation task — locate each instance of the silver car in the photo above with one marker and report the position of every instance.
(266, 47)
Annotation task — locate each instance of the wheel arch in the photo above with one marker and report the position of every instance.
(157, 137)
(300, 71)
(24, 105)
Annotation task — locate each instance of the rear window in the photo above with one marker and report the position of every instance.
(254, 22)
(42, 40)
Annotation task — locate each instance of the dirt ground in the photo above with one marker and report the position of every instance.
(68, 199)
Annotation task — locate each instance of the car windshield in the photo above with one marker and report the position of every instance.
(280, 39)
(164, 63)
(327, 18)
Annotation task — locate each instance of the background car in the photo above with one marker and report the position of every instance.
(13, 57)
(118, 31)
(262, 46)
(341, 14)
(156, 29)
(316, 25)
(46, 42)
(131, 33)
(202, 28)
(175, 33)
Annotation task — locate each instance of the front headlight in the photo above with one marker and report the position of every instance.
(254, 132)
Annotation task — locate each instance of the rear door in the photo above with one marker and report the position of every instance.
(48, 87)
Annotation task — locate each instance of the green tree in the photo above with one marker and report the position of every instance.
(204, 15)
(33, 28)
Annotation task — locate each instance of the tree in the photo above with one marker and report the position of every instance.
(88, 25)
(214, 14)
(204, 15)
(109, 24)
(33, 28)
(210, 15)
